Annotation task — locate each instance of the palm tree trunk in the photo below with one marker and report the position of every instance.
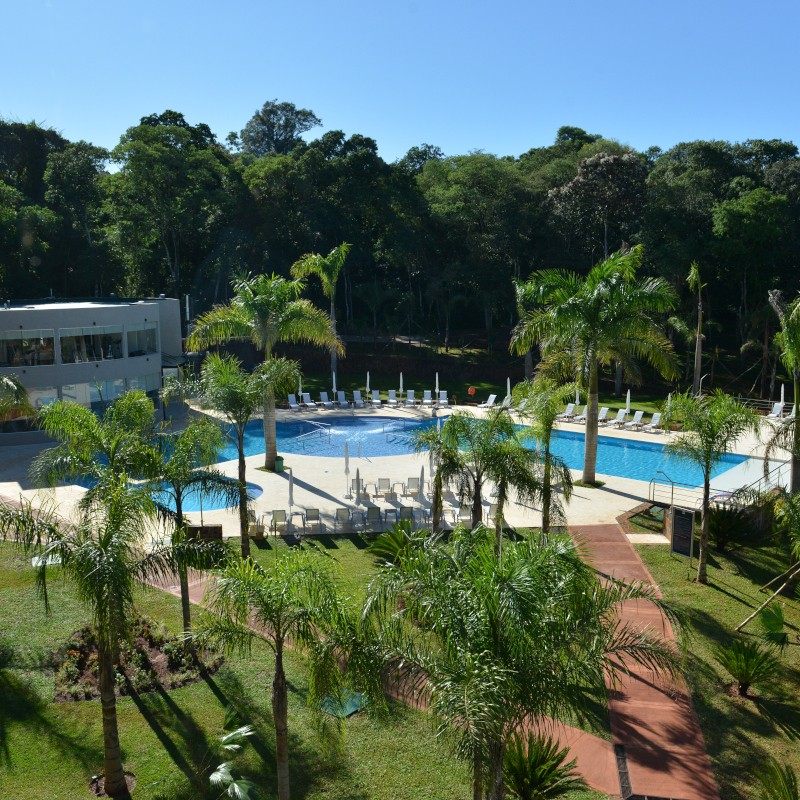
(546, 489)
(477, 779)
(270, 437)
(280, 715)
(497, 789)
(590, 445)
(702, 577)
(114, 774)
(436, 502)
(618, 379)
(333, 328)
(183, 577)
(243, 520)
(477, 506)
(529, 365)
(698, 348)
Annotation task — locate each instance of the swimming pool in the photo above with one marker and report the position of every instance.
(195, 501)
(372, 437)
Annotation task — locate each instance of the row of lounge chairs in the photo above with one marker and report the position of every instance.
(358, 401)
(777, 412)
(569, 415)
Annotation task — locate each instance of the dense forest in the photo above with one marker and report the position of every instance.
(436, 239)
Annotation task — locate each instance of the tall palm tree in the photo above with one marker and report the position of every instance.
(227, 388)
(265, 309)
(102, 556)
(540, 401)
(327, 269)
(586, 323)
(696, 285)
(295, 601)
(181, 468)
(493, 642)
(13, 398)
(712, 424)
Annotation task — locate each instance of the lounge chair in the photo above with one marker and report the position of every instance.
(293, 404)
(618, 420)
(791, 414)
(392, 401)
(489, 403)
(443, 401)
(427, 400)
(602, 416)
(582, 416)
(376, 399)
(324, 401)
(307, 401)
(411, 399)
(568, 413)
(341, 400)
(373, 520)
(407, 514)
(383, 488)
(278, 521)
(411, 487)
(311, 517)
(357, 401)
(654, 424)
(636, 422)
(342, 519)
(777, 411)
(357, 487)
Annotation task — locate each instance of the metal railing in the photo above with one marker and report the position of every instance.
(319, 429)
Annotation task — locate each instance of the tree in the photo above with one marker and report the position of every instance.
(327, 269)
(296, 601)
(494, 641)
(102, 556)
(583, 324)
(712, 424)
(225, 387)
(265, 309)
(540, 401)
(777, 781)
(277, 128)
(696, 285)
(13, 398)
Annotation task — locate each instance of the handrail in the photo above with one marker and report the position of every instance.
(320, 429)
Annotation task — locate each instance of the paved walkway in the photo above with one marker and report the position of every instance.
(659, 745)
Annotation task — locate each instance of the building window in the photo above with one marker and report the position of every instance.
(43, 396)
(26, 348)
(142, 338)
(90, 344)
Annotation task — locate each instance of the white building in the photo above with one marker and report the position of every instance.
(90, 351)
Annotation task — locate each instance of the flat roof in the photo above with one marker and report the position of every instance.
(57, 304)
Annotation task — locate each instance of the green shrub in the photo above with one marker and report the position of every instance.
(777, 782)
(748, 663)
(534, 769)
(773, 625)
(728, 525)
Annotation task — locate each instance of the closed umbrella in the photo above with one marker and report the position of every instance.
(367, 382)
(300, 387)
(669, 400)
(508, 388)
(577, 396)
(334, 383)
(436, 390)
(347, 469)
(291, 491)
(628, 403)
(401, 384)
(782, 392)
(421, 482)
(358, 485)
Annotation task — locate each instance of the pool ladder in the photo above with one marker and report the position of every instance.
(320, 429)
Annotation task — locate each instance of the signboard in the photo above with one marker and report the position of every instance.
(682, 530)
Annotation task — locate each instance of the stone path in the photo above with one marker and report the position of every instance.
(659, 746)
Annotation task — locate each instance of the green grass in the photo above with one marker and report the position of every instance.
(739, 733)
(51, 750)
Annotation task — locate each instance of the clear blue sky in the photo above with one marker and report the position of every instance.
(498, 76)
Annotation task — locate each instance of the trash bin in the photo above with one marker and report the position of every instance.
(278, 463)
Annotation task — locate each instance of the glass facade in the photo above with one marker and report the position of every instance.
(30, 348)
(142, 338)
(43, 396)
(90, 344)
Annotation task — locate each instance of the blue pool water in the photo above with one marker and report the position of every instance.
(371, 437)
(192, 501)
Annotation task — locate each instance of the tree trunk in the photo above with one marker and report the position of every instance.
(497, 789)
(546, 489)
(590, 445)
(183, 578)
(529, 365)
(280, 716)
(477, 507)
(270, 436)
(244, 522)
(114, 773)
(618, 379)
(436, 502)
(698, 348)
(702, 577)
(333, 328)
(477, 779)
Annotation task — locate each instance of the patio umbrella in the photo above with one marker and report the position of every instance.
(628, 403)
(669, 400)
(401, 384)
(347, 468)
(358, 485)
(577, 396)
(508, 388)
(421, 482)
(782, 391)
(438, 424)
(300, 387)
(436, 390)
(334, 383)
(291, 491)
(367, 382)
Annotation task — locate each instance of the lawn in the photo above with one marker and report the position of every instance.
(739, 733)
(50, 750)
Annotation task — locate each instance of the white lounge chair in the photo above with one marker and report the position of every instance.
(307, 401)
(324, 401)
(489, 403)
(654, 424)
(411, 399)
(341, 400)
(777, 411)
(376, 399)
(427, 399)
(636, 422)
(357, 400)
(443, 401)
(293, 404)
(582, 416)
(568, 413)
(602, 416)
(791, 414)
(392, 401)
(619, 420)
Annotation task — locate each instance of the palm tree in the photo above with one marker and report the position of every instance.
(13, 398)
(540, 401)
(295, 601)
(266, 309)
(327, 269)
(696, 285)
(181, 468)
(777, 781)
(102, 556)
(712, 424)
(225, 387)
(494, 642)
(585, 323)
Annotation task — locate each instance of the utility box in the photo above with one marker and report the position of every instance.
(681, 531)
